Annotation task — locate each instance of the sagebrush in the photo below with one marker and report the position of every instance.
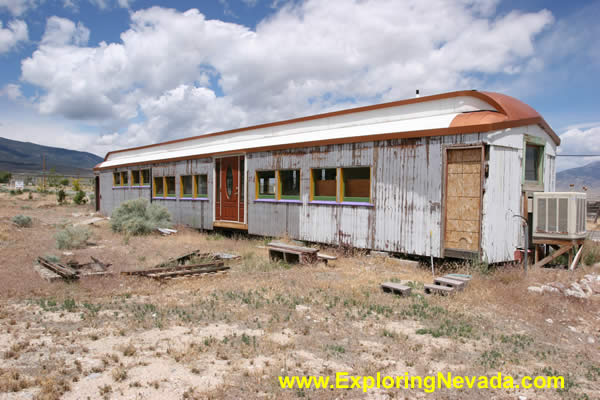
(22, 221)
(139, 217)
(72, 237)
(79, 197)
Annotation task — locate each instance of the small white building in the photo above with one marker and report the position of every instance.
(444, 175)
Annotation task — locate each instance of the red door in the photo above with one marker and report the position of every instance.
(229, 191)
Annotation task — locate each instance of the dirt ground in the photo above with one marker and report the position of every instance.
(230, 335)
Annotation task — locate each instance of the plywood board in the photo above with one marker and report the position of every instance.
(463, 199)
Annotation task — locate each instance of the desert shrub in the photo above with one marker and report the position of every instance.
(61, 196)
(22, 221)
(72, 237)
(139, 217)
(64, 182)
(76, 185)
(79, 197)
(5, 176)
(591, 253)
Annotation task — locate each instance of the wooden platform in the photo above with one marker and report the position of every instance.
(292, 254)
(573, 247)
(396, 288)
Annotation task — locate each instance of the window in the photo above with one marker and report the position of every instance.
(135, 178)
(356, 184)
(145, 177)
(289, 184)
(116, 179)
(187, 186)
(124, 178)
(159, 187)
(533, 162)
(170, 186)
(324, 184)
(265, 184)
(201, 182)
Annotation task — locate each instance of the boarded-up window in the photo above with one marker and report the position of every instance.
(324, 184)
(170, 186)
(265, 184)
(290, 184)
(187, 186)
(357, 184)
(135, 178)
(533, 161)
(124, 178)
(159, 188)
(116, 179)
(145, 177)
(201, 185)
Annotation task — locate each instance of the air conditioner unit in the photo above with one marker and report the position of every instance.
(559, 215)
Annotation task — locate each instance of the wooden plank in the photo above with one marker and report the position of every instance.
(396, 288)
(552, 256)
(230, 225)
(558, 242)
(290, 247)
(576, 260)
(64, 272)
(174, 268)
(326, 257)
(429, 288)
(195, 271)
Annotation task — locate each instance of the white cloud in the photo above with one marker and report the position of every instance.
(305, 58)
(579, 140)
(64, 32)
(15, 32)
(17, 7)
(12, 91)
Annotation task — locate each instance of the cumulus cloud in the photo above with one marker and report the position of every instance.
(177, 74)
(17, 7)
(15, 32)
(12, 91)
(579, 139)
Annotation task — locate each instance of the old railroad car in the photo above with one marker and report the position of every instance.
(444, 175)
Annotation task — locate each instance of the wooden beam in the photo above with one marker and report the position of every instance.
(576, 260)
(552, 256)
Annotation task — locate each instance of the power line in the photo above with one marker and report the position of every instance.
(578, 155)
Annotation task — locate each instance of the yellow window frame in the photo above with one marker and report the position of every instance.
(342, 194)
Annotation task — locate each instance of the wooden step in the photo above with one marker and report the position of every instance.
(458, 278)
(438, 289)
(396, 288)
(458, 285)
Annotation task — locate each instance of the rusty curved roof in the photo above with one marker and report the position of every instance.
(511, 112)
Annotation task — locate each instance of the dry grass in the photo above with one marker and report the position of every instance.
(231, 335)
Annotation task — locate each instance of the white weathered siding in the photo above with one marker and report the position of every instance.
(501, 229)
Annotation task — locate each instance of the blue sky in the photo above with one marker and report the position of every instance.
(97, 75)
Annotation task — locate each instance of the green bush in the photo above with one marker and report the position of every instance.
(61, 196)
(22, 221)
(139, 217)
(72, 237)
(76, 185)
(5, 176)
(80, 197)
(64, 182)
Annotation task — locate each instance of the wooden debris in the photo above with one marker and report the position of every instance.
(292, 254)
(396, 288)
(59, 269)
(187, 265)
(165, 231)
(438, 289)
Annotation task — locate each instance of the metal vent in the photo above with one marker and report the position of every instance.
(541, 223)
(563, 215)
(551, 215)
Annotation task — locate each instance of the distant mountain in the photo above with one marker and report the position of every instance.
(18, 156)
(588, 175)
